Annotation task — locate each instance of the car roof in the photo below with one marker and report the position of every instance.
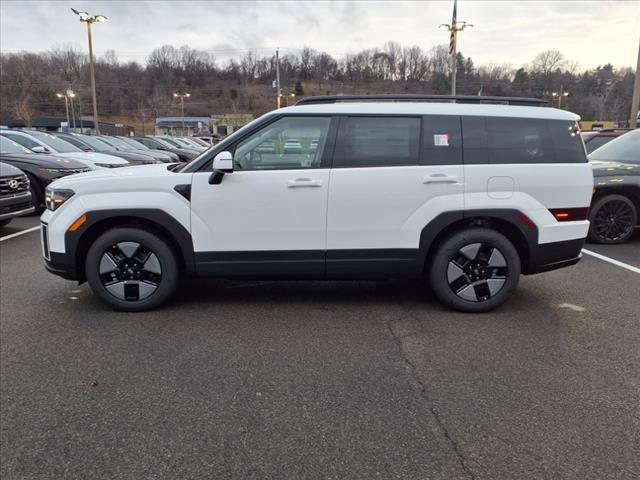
(431, 108)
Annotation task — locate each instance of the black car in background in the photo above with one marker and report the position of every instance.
(616, 197)
(40, 168)
(15, 197)
(90, 143)
(135, 144)
(156, 143)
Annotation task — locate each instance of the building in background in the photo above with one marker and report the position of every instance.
(192, 126)
(228, 123)
(83, 124)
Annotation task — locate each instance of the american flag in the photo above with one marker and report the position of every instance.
(452, 40)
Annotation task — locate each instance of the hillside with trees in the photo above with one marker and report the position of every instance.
(135, 93)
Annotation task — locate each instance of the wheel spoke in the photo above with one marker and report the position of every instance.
(152, 265)
(116, 289)
(454, 272)
(107, 264)
(128, 249)
(468, 293)
(496, 259)
(471, 251)
(495, 285)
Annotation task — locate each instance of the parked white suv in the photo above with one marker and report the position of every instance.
(468, 195)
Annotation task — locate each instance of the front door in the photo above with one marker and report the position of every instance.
(268, 217)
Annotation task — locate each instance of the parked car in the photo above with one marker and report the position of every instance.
(616, 198)
(266, 147)
(15, 197)
(597, 138)
(40, 142)
(158, 144)
(121, 145)
(170, 156)
(41, 169)
(93, 143)
(205, 142)
(172, 141)
(387, 194)
(186, 142)
(292, 146)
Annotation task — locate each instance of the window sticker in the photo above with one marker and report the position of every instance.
(441, 140)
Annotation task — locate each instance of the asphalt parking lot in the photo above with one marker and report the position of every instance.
(336, 380)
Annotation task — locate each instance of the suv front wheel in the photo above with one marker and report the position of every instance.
(475, 270)
(131, 269)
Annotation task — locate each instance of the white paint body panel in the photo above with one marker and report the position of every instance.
(258, 210)
(387, 207)
(145, 186)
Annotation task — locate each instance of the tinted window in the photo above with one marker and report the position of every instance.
(22, 140)
(597, 142)
(287, 143)
(9, 146)
(442, 140)
(502, 140)
(378, 141)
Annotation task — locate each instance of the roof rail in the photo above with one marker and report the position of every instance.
(421, 98)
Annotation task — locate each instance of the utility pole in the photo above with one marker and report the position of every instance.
(72, 95)
(455, 27)
(635, 102)
(182, 97)
(89, 20)
(278, 91)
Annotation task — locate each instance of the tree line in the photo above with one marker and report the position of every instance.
(138, 92)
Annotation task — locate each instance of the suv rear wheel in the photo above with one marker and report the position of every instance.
(613, 218)
(131, 269)
(475, 270)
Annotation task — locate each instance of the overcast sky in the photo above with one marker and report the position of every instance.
(589, 32)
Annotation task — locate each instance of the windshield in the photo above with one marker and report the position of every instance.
(119, 143)
(135, 144)
(171, 142)
(96, 144)
(167, 144)
(9, 146)
(57, 145)
(625, 148)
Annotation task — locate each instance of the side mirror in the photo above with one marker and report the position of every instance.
(40, 149)
(222, 163)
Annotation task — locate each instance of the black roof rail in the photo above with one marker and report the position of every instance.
(422, 98)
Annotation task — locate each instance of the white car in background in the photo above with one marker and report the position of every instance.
(41, 142)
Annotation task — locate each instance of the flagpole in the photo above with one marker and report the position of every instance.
(454, 63)
(454, 28)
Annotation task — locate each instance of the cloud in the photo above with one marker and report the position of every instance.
(591, 33)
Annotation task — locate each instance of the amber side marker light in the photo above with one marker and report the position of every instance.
(78, 223)
(570, 214)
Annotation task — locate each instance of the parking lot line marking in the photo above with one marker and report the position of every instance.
(17, 234)
(612, 260)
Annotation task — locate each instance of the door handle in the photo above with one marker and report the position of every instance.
(304, 182)
(439, 178)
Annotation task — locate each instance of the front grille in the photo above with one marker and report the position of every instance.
(16, 207)
(14, 184)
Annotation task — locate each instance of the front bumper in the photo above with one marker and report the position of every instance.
(59, 264)
(15, 205)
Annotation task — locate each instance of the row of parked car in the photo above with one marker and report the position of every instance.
(32, 159)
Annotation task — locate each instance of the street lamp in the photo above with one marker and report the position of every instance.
(68, 95)
(560, 95)
(182, 96)
(89, 20)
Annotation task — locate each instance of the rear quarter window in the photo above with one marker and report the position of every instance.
(506, 140)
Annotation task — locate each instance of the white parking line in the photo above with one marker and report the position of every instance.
(612, 261)
(17, 234)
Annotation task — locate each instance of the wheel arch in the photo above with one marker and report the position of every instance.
(77, 243)
(513, 224)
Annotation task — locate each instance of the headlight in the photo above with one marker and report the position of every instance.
(54, 197)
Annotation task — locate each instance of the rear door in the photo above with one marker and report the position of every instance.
(391, 176)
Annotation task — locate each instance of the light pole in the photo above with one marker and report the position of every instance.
(69, 95)
(560, 95)
(182, 96)
(89, 20)
(66, 104)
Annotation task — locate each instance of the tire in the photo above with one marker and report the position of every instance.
(37, 198)
(474, 270)
(132, 279)
(613, 219)
(4, 223)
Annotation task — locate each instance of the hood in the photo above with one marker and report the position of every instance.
(603, 168)
(43, 160)
(93, 158)
(94, 181)
(7, 170)
(132, 156)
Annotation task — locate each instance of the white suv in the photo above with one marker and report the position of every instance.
(468, 195)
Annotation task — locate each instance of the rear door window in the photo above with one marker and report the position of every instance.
(378, 142)
(441, 140)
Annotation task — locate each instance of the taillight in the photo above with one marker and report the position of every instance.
(570, 214)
